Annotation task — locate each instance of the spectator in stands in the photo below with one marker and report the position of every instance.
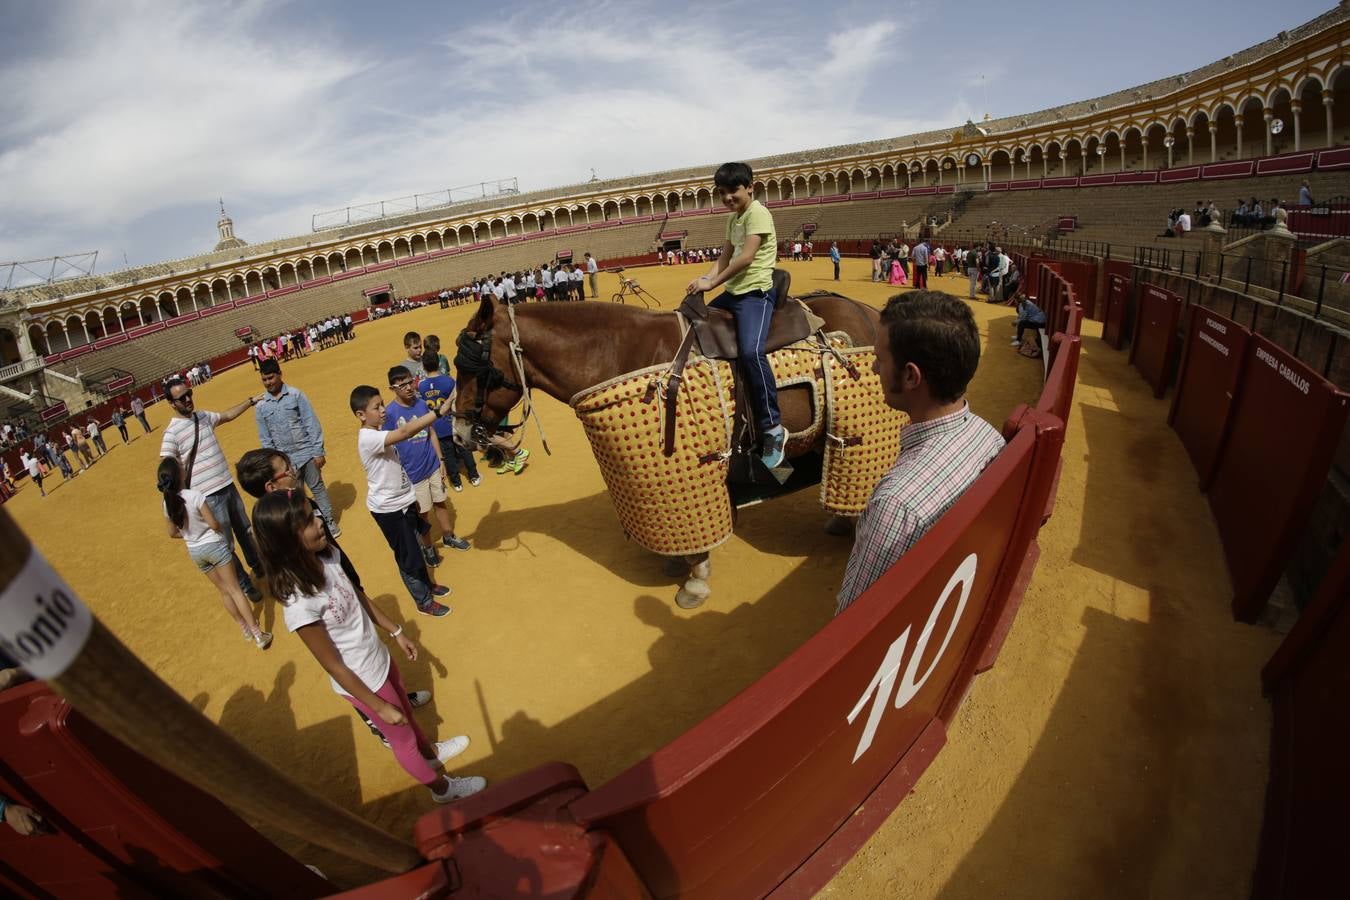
(1278, 216)
(927, 351)
(190, 438)
(1256, 213)
(1029, 315)
(390, 497)
(1240, 213)
(1212, 213)
(1183, 225)
(834, 258)
(287, 423)
(746, 270)
(1305, 197)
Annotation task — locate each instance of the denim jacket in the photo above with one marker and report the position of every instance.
(287, 423)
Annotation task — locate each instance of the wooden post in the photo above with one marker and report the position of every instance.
(108, 684)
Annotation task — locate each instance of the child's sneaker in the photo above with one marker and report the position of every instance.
(433, 608)
(441, 590)
(263, 639)
(430, 556)
(475, 480)
(459, 788)
(419, 699)
(455, 543)
(458, 486)
(448, 750)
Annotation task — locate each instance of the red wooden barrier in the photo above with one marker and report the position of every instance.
(735, 805)
(1305, 832)
(1082, 277)
(1153, 352)
(1117, 310)
(123, 826)
(1211, 363)
(1285, 424)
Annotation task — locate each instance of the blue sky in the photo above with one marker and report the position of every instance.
(120, 124)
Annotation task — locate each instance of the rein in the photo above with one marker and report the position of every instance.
(488, 377)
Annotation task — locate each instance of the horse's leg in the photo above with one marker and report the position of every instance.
(675, 567)
(839, 526)
(695, 589)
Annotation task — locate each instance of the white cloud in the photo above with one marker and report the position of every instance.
(123, 134)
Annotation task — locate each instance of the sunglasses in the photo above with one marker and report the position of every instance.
(186, 395)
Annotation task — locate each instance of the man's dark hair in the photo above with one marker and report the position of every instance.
(255, 470)
(362, 395)
(431, 361)
(171, 384)
(269, 366)
(937, 333)
(398, 373)
(732, 175)
(410, 337)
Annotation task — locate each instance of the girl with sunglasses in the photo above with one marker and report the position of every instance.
(337, 622)
(190, 518)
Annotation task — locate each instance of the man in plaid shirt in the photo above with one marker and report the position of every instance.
(927, 350)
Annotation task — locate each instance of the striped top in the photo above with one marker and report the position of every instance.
(938, 460)
(209, 470)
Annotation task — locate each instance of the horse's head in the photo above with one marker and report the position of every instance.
(486, 388)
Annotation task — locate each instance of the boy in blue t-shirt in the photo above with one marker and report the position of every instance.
(420, 457)
(435, 389)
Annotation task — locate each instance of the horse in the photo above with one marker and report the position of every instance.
(566, 348)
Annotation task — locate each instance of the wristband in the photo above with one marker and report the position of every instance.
(396, 632)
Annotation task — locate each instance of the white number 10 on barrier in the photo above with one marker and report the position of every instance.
(883, 682)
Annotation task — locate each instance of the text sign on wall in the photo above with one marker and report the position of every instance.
(1155, 327)
(1285, 425)
(1210, 365)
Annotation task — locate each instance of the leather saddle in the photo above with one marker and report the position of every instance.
(715, 329)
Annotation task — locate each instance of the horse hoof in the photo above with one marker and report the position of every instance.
(675, 567)
(686, 600)
(702, 570)
(840, 526)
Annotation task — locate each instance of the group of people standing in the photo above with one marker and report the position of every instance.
(290, 543)
(83, 442)
(302, 341)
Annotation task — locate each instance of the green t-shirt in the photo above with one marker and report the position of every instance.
(759, 274)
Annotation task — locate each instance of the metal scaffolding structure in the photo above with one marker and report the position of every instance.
(398, 206)
(25, 272)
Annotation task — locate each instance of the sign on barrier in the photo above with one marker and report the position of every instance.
(1117, 308)
(1154, 349)
(53, 412)
(1211, 362)
(1285, 425)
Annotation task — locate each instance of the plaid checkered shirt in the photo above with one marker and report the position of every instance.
(938, 460)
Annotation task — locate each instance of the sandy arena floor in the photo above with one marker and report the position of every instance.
(1119, 747)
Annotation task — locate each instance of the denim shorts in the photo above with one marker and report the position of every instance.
(212, 556)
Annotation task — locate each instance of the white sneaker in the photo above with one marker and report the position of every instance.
(418, 699)
(448, 750)
(459, 788)
(1016, 342)
(263, 640)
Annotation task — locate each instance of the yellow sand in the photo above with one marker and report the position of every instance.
(1118, 748)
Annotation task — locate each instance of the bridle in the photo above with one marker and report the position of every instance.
(487, 378)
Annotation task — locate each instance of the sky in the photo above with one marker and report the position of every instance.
(122, 124)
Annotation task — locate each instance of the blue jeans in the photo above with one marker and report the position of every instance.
(312, 475)
(752, 312)
(228, 508)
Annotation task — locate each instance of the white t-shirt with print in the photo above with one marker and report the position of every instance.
(389, 487)
(350, 628)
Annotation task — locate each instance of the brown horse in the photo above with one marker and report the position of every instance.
(569, 347)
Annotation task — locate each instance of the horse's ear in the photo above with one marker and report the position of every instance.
(484, 314)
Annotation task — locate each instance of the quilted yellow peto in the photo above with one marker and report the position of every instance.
(680, 505)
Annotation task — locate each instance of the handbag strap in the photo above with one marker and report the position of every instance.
(192, 456)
